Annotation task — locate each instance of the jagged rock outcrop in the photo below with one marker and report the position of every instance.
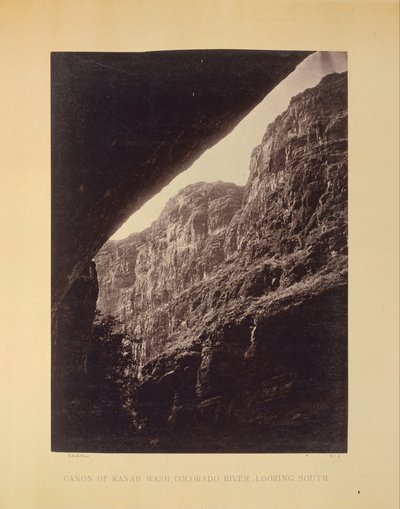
(239, 296)
(74, 321)
(145, 279)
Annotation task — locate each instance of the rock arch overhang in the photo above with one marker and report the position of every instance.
(122, 126)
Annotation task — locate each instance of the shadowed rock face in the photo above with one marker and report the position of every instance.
(123, 125)
(238, 296)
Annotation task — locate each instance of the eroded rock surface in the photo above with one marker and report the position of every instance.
(237, 298)
(147, 279)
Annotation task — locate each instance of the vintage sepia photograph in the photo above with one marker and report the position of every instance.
(199, 251)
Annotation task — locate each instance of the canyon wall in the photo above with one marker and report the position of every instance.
(236, 298)
(149, 280)
(122, 126)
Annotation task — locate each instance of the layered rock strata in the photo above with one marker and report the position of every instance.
(147, 281)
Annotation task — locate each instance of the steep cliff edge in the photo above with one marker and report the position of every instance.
(237, 298)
